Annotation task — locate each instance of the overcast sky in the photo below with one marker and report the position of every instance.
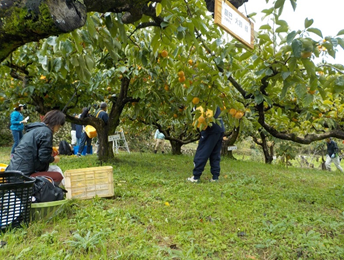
(327, 16)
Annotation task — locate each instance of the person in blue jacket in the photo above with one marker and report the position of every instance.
(209, 147)
(17, 126)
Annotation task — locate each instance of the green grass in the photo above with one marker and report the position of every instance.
(255, 211)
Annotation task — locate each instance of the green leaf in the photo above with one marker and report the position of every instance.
(308, 99)
(258, 98)
(316, 31)
(282, 29)
(122, 69)
(57, 64)
(63, 73)
(292, 64)
(340, 42)
(245, 56)
(89, 62)
(260, 72)
(300, 90)
(282, 23)
(52, 40)
(158, 9)
(341, 32)
(309, 66)
(285, 74)
(279, 3)
(108, 21)
(265, 27)
(91, 27)
(279, 112)
(75, 61)
(269, 72)
(308, 22)
(291, 37)
(293, 4)
(297, 48)
(264, 37)
(77, 40)
(66, 47)
(284, 91)
(268, 11)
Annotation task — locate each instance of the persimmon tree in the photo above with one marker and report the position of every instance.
(108, 53)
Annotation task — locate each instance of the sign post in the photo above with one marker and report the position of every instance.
(234, 22)
(232, 148)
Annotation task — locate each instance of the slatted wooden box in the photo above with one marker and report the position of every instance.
(86, 183)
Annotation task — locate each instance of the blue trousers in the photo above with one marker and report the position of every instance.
(209, 147)
(85, 139)
(17, 135)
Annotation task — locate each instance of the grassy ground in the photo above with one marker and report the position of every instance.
(256, 211)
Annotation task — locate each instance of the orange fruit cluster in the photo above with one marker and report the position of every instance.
(236, 113)
(181, 76)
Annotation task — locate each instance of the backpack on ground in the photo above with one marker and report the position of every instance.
(64, 148)
(45, 190)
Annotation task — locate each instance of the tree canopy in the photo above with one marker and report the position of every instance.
(156, 69)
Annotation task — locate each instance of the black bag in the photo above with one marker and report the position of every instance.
(64, 148)
(45, 190)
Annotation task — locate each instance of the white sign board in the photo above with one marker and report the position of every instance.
(112, 138)
(231, 148)
(234, 22)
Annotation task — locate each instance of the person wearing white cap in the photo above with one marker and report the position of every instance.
(17, 125)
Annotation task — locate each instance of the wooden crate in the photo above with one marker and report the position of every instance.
(86, 183)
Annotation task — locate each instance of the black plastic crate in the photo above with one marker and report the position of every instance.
(15, 199)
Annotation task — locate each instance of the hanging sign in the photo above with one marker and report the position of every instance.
(234, 22)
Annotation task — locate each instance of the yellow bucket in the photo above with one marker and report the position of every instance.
(3, 167)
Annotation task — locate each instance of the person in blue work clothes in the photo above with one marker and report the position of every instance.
(209, 147)
(332, 155)
(84, 138)
(17, 126)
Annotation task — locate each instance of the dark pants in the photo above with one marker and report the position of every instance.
(209, 147)
(84, 139)
(17, 135)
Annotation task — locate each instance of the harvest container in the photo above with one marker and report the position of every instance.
(87, 183)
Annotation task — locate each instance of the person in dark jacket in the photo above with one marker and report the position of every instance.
(332, 155)
(35, 151)
(17, 126)
(209, 147)
(84, 138)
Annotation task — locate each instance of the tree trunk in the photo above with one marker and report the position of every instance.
(176, 147)
(267, 149)
(229, 142)
(118, 103)
(105, 151)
